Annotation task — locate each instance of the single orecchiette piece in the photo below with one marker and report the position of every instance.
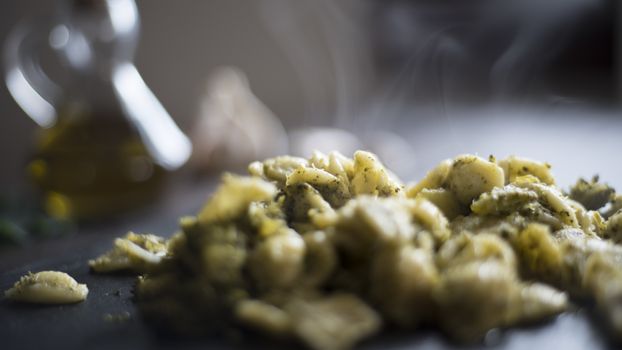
(366, 223)
(371, 177)
(431, 218)
(592, 194)
(538, 301)
(540, 255)
(134, 252)
(278, 169)
(333, 189)
(476, 297)
(263, 316)
(470, 176)
(433, 179)
(302, 200)
(479, 296)
(332, 322)
(514, 167)
(590, 221)
(47, 287)
(233, 197)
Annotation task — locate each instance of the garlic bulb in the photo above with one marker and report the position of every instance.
(234, 127)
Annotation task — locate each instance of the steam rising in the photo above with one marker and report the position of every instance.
(323, 38)
(436, 57)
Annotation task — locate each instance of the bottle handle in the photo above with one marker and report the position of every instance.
(30, 87)
(166, 143)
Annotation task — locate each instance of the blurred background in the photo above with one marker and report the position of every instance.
(85, 133)
(413, 80)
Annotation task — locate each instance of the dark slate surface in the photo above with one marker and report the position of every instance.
(82, 326)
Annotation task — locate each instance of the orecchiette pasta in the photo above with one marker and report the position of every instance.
(327, 249)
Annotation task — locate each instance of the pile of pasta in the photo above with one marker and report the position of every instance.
(329, 250)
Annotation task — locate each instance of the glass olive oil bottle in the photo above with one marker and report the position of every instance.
(105, 143)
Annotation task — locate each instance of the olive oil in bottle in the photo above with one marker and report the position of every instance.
(90, 166)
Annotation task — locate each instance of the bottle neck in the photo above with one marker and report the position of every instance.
(101, 32)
